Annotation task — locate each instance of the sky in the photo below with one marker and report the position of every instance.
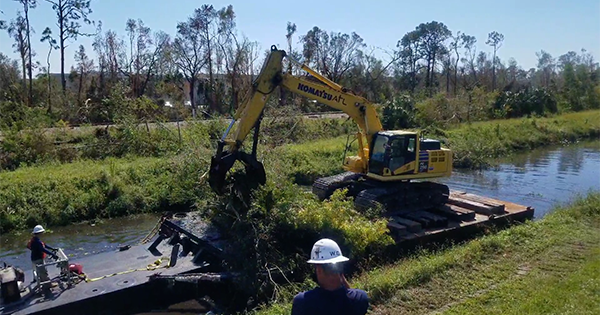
(556, 26)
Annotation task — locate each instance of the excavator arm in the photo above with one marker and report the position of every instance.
(249, 114)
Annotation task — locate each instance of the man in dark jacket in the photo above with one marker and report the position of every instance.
(38, 254)
(333, 295)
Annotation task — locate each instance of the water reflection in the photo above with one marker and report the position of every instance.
(570, 160)
(540, 178)
(79, 239)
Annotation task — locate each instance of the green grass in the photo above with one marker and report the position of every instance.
(37, 146)
(57, 193)
(548, 266)
(476, 144)
(66, 193)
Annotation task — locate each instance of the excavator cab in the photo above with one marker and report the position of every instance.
(398, 153)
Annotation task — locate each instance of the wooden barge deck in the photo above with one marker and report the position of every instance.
(461, 216)
(119, 292)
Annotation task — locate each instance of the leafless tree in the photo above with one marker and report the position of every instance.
(84, 66)
(495, 40)
(29, 4)
(69, 13)
(18, 31)
(188, 49)
(332, 54)
(47, 37)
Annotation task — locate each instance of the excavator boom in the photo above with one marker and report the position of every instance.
(379, 174)
(249, 115)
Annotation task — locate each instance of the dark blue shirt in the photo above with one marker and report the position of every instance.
(38, 248)
(341, 301)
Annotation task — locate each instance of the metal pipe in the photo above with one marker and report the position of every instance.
(228, 129)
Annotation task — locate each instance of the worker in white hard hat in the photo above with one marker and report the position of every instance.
(333, 295)
(38, 254)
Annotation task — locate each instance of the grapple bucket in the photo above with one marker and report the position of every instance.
(221, 163)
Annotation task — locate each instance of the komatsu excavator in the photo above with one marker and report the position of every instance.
(388, 170)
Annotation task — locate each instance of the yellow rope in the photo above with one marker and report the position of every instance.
(156, 265)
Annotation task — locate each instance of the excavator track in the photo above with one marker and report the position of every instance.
(394, 197)
(324, 187)
(402, 196)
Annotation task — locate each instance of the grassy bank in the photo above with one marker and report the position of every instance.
(39, 146)
(61, 193)
(476, 144)
(473, 145)
(541, 267)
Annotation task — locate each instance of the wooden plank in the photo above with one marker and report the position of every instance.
(411, 225)
(397, 229)
(425, 222)
(480, 199)
(437, 220)
(475, 206)
(455, 213)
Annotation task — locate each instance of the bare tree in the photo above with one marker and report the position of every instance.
(455, 45)
(238, 56)
(18, 31)
(29, 4)
(469, 44)
(332, 54)
(144, 50)
(291, 30)
(188, 49)
(495, 40)
(215, 30)
(84, 66)
(109, 49)
(47, 37)
(68, 15)
(546, 65)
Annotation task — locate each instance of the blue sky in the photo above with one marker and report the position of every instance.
(556, 26)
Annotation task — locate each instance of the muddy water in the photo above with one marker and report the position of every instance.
(541, 178)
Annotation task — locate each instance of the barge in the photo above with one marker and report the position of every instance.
(461, 216)
(185, 249)
(120, 281)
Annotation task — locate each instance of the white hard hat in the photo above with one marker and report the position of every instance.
(326, 251)
(38, 229)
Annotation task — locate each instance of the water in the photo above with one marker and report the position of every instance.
(541, 178)
(79, 239)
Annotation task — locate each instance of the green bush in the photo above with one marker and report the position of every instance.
(399, 113)
(526, 102)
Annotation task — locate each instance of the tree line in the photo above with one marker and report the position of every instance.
(207, 62)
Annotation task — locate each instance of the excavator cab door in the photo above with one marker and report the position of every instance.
(391, 152)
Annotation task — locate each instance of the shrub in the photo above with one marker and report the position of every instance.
(536, 101)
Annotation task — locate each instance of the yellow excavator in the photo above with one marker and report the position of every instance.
(390, 169)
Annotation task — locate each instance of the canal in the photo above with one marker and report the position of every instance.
(541, 178)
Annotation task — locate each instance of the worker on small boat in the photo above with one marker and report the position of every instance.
(333, 295)
(39, 250)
